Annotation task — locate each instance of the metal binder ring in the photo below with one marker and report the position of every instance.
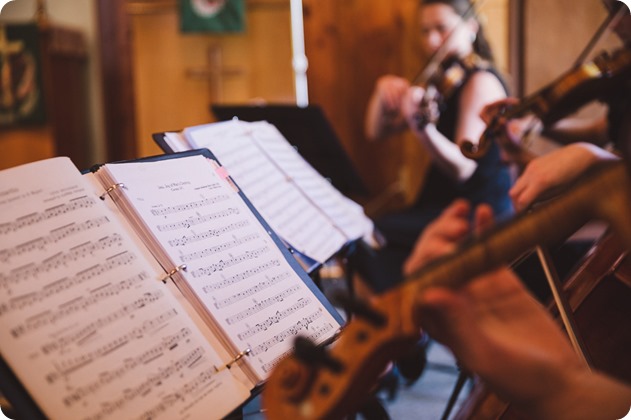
(172, 272)
(110, 189)
(238, 357)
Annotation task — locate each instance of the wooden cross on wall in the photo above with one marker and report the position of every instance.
(214, 72)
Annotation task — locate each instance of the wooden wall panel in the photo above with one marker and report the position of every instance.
(349, 45)
(555, 34)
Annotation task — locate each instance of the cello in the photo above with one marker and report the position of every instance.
(599, 293)
(337, 381)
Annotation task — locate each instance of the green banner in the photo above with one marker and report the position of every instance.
(212, 15)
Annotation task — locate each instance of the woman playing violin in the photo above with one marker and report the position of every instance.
(463, 83)
(441, 111)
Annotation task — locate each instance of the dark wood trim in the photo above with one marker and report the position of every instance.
(117, 74)
(516, 45)
(64, 65)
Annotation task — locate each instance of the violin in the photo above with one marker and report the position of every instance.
(443, 82)
(339, 380)
(594, 80)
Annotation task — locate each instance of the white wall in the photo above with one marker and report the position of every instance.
(80, 14)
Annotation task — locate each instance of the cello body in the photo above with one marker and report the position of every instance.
(599, 292)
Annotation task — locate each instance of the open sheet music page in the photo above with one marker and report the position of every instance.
(85, 322)
(234, 268)
(347, 215)
(291, 214)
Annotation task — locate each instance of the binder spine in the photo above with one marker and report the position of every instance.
(110, 189)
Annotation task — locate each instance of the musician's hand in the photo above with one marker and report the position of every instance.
(496, 109)
(509, 133)
(554, 169)
(499, 331)
(390, 91)
(420, 107)
(492, 325)
(444, 234)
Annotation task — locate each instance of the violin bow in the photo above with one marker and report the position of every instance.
(612, 17)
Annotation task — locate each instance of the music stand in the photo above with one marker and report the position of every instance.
(309, 131)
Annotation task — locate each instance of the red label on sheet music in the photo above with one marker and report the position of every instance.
(222, 172)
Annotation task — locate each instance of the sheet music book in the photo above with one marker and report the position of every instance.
(308, 129)
(300, 205)
(146, 289)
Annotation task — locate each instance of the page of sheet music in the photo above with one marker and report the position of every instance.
(343, 212)
(85, 322)
(292, 216)
(175, 142)
(233, 265)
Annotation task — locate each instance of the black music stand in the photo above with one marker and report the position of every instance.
(307, 129)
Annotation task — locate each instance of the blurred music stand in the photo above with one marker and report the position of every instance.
(309, 131)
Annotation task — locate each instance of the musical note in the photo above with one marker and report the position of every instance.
(63, 341)
(275, 319)
(204, 379)
(229, 281)
(259, 287)
(229, 262)
(219, 248)
(128, 365)
(259, 306)
(37, 217)
(130, 394)
(80, 303)
(29, 299)
(190, 206)
(192, 221)
(31, 270)
(316, 333)
(188, 239)
(292, 331)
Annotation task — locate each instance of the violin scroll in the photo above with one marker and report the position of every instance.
(475, 151)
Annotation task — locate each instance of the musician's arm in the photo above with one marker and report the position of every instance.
(383, 115)
(555, 169)
(480, 89)
(573, 130)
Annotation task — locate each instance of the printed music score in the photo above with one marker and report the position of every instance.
(298, 203)
(84, 323)
(236, 274)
